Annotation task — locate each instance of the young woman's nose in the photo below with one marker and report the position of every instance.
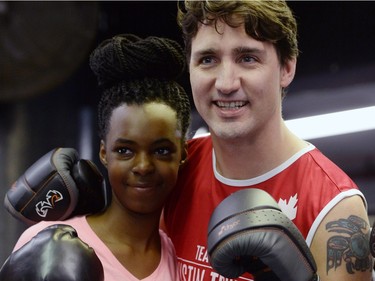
(227, 79)
(143, 164)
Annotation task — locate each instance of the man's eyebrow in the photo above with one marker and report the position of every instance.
(245, 49)
(236, 51)
(204, 52)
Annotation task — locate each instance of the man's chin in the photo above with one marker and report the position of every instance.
(227, 133)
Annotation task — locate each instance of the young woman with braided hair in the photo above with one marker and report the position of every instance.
(144, 115)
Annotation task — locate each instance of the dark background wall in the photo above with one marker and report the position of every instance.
(48, 95)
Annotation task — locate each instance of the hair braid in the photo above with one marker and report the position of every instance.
(132, 70)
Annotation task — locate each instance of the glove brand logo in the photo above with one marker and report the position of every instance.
(228, 227)
(52, 197)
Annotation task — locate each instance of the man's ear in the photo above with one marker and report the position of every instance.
(103, 153)
(288, 70)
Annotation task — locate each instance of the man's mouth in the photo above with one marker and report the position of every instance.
(231, 104)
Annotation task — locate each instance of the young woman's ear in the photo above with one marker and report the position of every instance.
(103, 153)
(184, 154)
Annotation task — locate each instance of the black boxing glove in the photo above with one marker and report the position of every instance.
(249, 233)
(57, 186)
(54, 254)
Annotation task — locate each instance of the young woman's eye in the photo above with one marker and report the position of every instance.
(163, 151)
(124, 151)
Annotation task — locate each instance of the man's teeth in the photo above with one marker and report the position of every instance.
(231, 105)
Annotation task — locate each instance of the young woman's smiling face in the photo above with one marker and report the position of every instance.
(142, 152)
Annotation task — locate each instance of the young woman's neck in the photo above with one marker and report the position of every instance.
(132, 229)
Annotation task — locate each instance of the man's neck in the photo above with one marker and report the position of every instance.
(252, 157)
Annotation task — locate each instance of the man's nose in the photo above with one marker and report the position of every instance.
(227, 80)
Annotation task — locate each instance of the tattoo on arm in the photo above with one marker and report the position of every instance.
(350, 246)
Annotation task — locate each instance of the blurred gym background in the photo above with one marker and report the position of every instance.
(48, 94)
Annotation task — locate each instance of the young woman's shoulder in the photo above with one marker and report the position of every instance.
(33, 230)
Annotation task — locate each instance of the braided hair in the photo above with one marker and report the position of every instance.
(131, 70)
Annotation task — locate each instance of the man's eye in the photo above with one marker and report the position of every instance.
(247, 59)
(207, 60)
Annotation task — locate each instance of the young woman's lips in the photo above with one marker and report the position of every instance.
(143, 187)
